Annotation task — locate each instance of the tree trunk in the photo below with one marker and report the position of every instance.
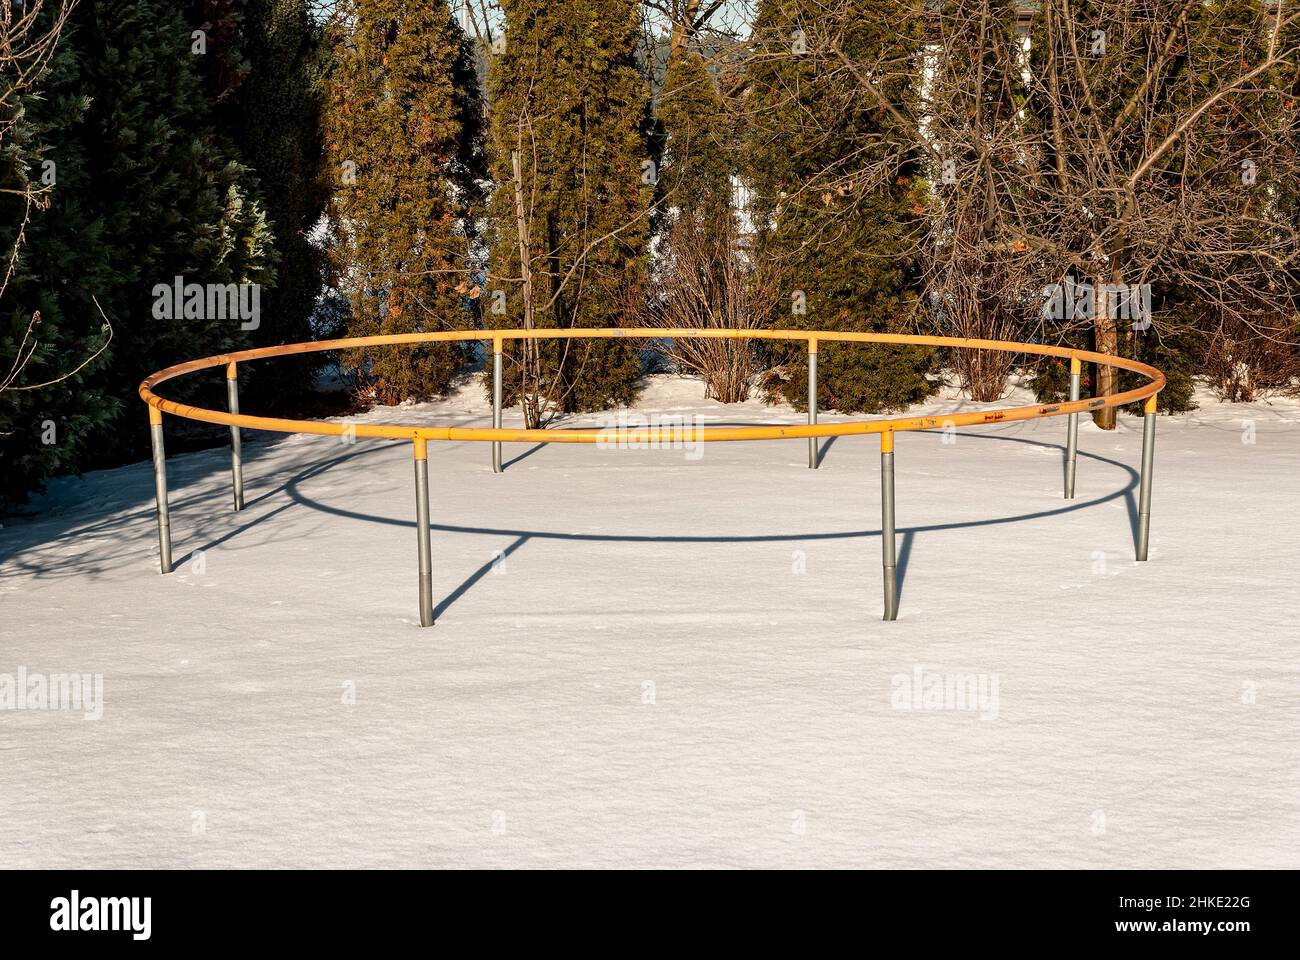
(527, 383)
(681, 32)
(1106, 340)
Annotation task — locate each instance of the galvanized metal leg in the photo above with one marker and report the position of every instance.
(496, 409)
(887, 525)
(236, 445)
(1144, 497)
(1072, 440)
(160, 491)
(422, 532)
(812, 408)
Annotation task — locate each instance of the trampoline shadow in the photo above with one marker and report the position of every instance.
(506, 465)
(900, 563)
(518, 538)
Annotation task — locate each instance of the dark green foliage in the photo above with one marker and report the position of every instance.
(1167, 201)
(851, 252)
(279, 134)
(1238, 343)
(1216, 310)
(972, 250)
(144, 193)
(567, 96)
(264, 69)
(699, 159)
(1175, 354)
(25, 416)
(403, 113)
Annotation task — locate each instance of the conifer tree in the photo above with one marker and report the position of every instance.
(704, 276)
(36, 342)
(264, 66)
(1217, 32)
(975, 91)
(403, 146)
(847, 257)
(1249, 142)
(699, 161)
(142, 193)
(573, 183)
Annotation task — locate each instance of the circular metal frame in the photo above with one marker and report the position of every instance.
(421, 434)
(699, 434)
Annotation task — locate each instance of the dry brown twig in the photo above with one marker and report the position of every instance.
(25, 52)
(707, 280)
(1075, 161)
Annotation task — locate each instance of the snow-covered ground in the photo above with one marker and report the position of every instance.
(679, 661)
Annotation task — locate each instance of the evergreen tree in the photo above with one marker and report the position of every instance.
(142, 194)
(264, 68)
(36, 340)
(1216, 32)
(1250, 143)
(402, 134)
(704, 276)
(281, 137)
(568, 110)
(699, 161)
(975, 93)
(846, 256)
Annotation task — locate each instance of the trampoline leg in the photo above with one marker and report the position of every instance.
(1148, 463)
(812, 404)
(887, 524)
(160, 491)
(1072, 442)
(422, 531)
(496, 407)
(236, 445)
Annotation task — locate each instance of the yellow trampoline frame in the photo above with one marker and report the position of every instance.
(420, 434)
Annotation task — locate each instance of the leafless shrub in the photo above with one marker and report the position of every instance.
(1249, 361)
(706, 280)
(1123, 143)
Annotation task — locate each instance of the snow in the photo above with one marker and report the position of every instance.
(680, 660)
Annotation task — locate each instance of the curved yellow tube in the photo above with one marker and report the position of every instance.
(885, 425)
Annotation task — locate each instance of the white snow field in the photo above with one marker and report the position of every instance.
(680, 661)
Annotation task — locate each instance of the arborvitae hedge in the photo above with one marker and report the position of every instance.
(273, 115)
(282, 138)
(144, 193)
(851, 253)
(403, 143)
(700, 157)
(566, 93)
